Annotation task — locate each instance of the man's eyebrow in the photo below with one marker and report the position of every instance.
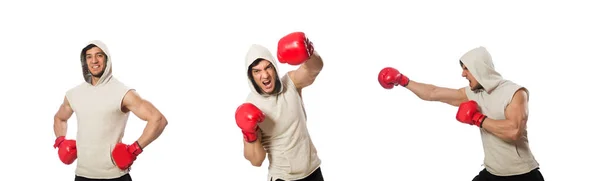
(102, 53)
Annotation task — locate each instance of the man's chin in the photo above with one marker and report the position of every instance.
(473, 88)
(269, 91)
(98, 75)
(477, 87)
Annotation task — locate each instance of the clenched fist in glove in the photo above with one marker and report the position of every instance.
(247, 117)
(124, 155)
(67, 149)
(468, 113)
(294, 48)
(390, 77)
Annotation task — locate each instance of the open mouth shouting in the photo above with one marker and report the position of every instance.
(268, 84)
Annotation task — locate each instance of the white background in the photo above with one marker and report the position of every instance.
(187, 59)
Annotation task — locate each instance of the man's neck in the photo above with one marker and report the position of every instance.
(95, 80)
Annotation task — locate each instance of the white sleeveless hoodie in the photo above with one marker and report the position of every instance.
(501, 158)
(285, 137)
(100, 121)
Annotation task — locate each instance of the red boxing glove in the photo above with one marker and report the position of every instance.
(124, 155)
(294, 48)
(67, 149)
(469, 114)
(390, 77)
(247, 117)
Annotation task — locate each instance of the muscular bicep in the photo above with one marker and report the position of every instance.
(449, 96)
(302, 77)
(142, 108)
(307, 73)
(517, 110)
(64, 111)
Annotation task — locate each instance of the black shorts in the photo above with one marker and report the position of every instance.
(534, 175)
(125, 177)
(315, 176)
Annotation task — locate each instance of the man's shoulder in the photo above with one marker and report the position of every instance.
(508, 83)
(258, 99)
(508, 86)
(286, 78)
(506, 90)
(471, 94)
(512, 88)
(288, 83)
(253, 98)
(116, 83)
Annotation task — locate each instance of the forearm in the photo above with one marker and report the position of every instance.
(254, 152)
(60, 127)
(152, 131)
(422, 90)
(503, 129)
(314, 64)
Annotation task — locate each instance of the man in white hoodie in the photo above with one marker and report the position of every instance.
(498, 107)
(273, 120)
(102, 105)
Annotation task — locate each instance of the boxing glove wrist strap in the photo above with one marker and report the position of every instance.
(58, 141)
(483, 119)
(135, 148)
(250, 137)
(404, 80)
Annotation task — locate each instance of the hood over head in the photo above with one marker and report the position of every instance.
(257, 52)
(479, 62)
(107, 75)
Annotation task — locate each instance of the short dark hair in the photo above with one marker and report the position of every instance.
(258, 89)
(86, 48)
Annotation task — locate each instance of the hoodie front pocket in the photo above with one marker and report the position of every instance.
(298, 158)
(95, 157)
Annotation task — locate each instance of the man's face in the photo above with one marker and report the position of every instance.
(263, 75)
(472, 81)
(96, 61)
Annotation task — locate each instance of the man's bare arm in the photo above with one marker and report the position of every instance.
(516, 113)
(143, 109)
(430, 92)
(255, 152)
(60, 118)
(307, 73)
